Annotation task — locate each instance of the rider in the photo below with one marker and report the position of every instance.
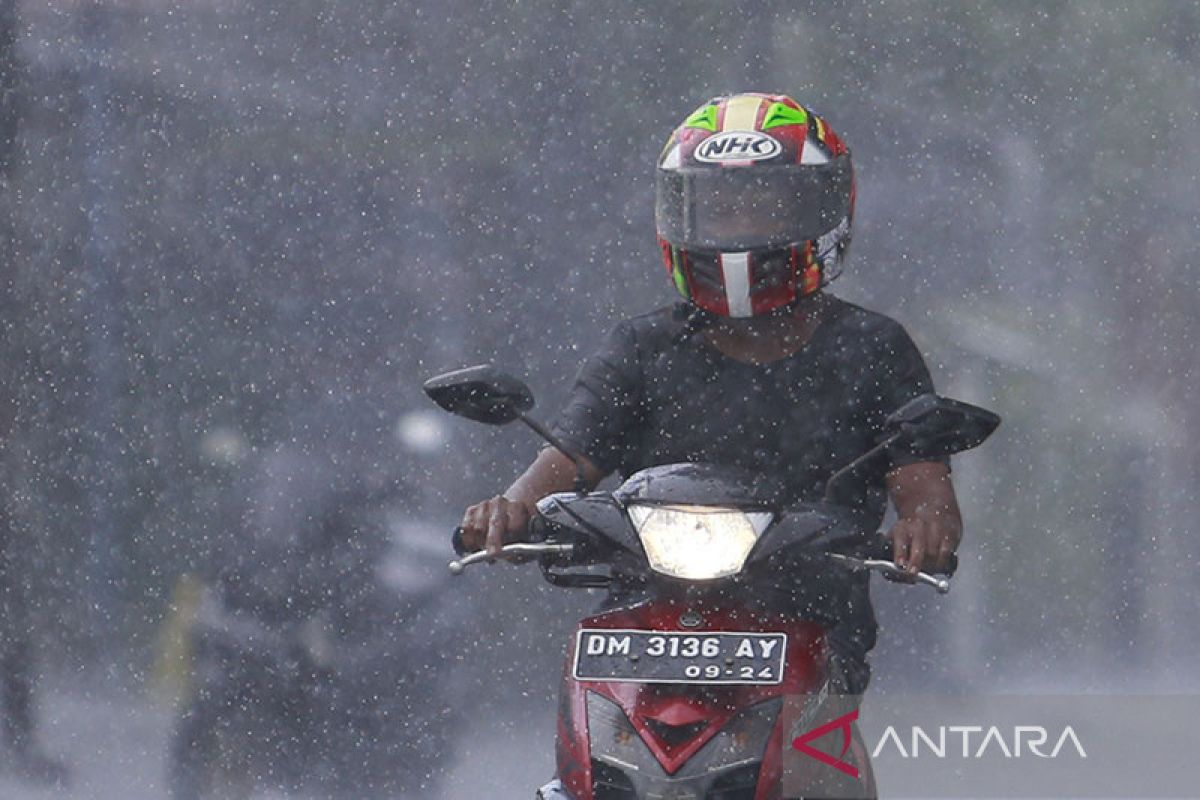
(758, 367)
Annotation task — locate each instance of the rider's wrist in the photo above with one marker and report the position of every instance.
(530, 506)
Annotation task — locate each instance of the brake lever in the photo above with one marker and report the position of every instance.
(889, 569)
(458, 566)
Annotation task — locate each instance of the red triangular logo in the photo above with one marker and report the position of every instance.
(842, 723)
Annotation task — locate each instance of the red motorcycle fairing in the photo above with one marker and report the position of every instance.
(675, 721)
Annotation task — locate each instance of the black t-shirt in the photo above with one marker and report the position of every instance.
(652, 396)
(647, 397)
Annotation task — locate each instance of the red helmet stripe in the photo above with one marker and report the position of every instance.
(763, 107)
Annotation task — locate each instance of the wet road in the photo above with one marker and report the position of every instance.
(115, 745)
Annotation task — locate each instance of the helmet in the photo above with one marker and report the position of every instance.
(754, 199)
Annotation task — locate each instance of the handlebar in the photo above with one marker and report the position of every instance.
(458, 566)
(890, 570)
(536, 549)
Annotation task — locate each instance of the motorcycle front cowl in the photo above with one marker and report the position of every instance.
(674, 523)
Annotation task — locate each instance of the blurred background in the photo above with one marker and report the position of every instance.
(238, 235)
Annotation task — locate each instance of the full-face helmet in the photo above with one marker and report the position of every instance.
(754, 203)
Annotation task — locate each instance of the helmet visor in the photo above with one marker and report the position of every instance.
(743, 208)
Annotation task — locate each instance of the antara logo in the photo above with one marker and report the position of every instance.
(1023, 739)
(843, 724)
(737, 146)
(1033, 737)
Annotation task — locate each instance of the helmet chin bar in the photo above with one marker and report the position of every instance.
(746, 284)
(779, 313)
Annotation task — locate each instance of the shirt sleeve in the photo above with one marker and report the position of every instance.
(600, 412)
(904, 376)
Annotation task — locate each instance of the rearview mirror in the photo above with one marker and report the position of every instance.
(929, 426)
(483, 394)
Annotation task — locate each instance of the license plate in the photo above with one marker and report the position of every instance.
(677, 657)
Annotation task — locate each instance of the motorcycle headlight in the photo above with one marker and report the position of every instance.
(697, 542)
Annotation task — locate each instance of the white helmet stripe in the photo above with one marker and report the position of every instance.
(735, 271)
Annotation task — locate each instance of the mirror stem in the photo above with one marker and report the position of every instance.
(580, 482)
(855, 464)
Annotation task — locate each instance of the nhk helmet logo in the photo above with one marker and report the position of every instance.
(737, 146)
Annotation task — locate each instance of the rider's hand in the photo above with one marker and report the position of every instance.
(495, 523)
(929, 527)
(925, 542)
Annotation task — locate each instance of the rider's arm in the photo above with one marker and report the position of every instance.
(928, 526)
(505, 518)
(598, 414)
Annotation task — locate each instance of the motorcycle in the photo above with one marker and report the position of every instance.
(312, 651)
(677, 687)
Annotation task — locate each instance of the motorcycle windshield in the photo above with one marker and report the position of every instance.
(701, 485)
(815, 526)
